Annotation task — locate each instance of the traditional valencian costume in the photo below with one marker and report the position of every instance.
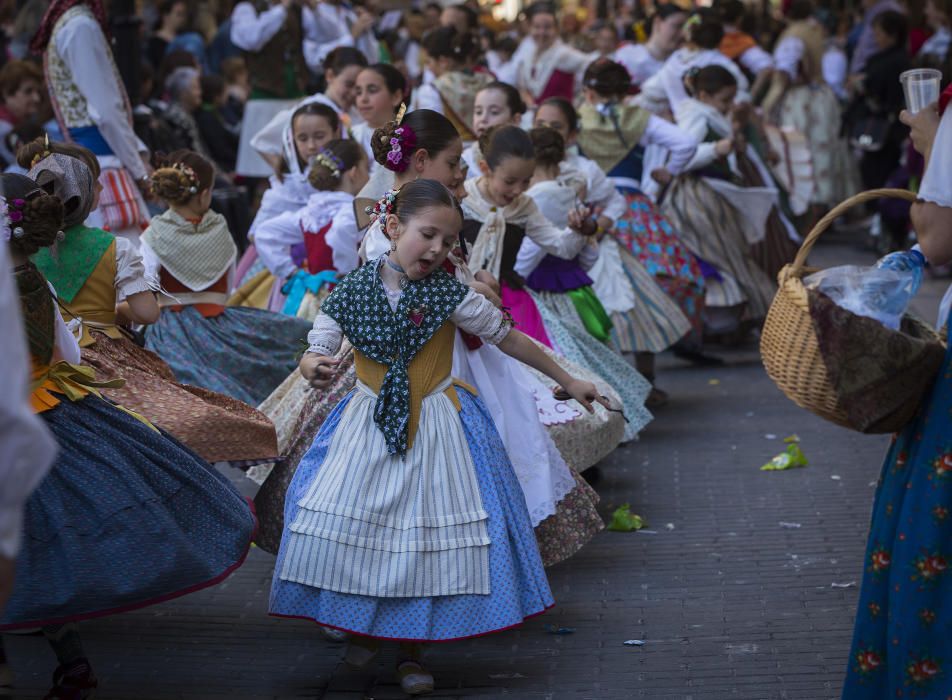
(92, 108)
(120, 491)
(238, 351)
(92, 271)
(424, 536)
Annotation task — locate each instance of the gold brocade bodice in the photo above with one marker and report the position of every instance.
(427, 370)
(95, 302)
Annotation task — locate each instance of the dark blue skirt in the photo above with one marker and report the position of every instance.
(243, 353)
(127, 517)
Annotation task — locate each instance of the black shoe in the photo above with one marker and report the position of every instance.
(74, 681)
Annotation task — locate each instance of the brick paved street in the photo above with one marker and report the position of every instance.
(729, 602)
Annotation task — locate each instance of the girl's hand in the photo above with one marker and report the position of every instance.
(662, 176)
(486, 291)
(490, 281)
(724, 147)
(318, 370)
(580, 221)
(585, 393)
(923, 126)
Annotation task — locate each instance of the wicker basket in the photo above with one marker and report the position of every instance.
(790, 347)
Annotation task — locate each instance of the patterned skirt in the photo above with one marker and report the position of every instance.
(645, 232)
(901, 643)
(567, 331)
(713, 230)
(814, 111)
(126, 518)
(217, 427)
(243, 353)
(581, 440)
(644, 318)
(517, 584)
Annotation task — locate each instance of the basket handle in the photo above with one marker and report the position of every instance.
(823, 224)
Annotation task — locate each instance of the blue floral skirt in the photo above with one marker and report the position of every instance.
(243, 353)
(127, 517)
(902, 639)
(519, 588)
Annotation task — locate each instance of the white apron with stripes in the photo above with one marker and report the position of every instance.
(389, 526)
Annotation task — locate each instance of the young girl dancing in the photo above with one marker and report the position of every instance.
(310, 128)
(127, 516)
(714, 216)
(303, 248)
(498, 216)
(101, 284)
(561, 504)
(239, 351)
(425, 536)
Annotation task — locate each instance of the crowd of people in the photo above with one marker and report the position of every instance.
(409, 269)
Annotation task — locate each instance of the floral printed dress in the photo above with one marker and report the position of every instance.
(902, 640)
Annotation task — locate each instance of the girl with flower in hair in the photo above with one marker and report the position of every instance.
(298, 246)
(311, 127)
(548, 443)
(424, 536)
(103, 288)
(127, 516)
(238, 351)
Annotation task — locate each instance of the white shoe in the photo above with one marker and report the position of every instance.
(358, 656)
(332, 635)
(414, 679)
(6, 680)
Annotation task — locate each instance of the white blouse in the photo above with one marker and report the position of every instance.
(131, 275)
(475, 315)
(251, 30)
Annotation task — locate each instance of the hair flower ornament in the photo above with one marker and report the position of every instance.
(189, 176)
(11, 212)
(330, 161)
(402, 144)
(383, 207)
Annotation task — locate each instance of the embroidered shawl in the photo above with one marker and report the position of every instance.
(486, 253)
(69, 263)
(360, 307)
(70, 180)
(197, 255)
(457, 91)
(607, 133)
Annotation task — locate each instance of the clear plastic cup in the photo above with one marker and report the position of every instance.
(921, 87)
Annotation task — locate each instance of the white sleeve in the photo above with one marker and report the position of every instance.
(344, 239)
(324, 31)
(27, 449)
(680, 144)
(268, 138)
(528, 258)
(478, 316)
(563, 243)
(325, 336)
(835, 67)
(787, 56)
(273, 240)
(66, 344)
(589, 256)
(427, 97)
(83, 47)
(936, 185)
(600, 190)
(130, 270)
(251, 31)
(151, 264)
(755, 59)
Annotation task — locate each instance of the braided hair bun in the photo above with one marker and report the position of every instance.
(36, 218)
(182, 175)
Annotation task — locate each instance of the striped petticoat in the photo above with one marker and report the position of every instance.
(120, 202)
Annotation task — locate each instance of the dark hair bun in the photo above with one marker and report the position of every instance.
(42, 214)
(607, 78)
(548, 144)
(181, 175)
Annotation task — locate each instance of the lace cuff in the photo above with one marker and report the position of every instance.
(325, 337)
(477, 315)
